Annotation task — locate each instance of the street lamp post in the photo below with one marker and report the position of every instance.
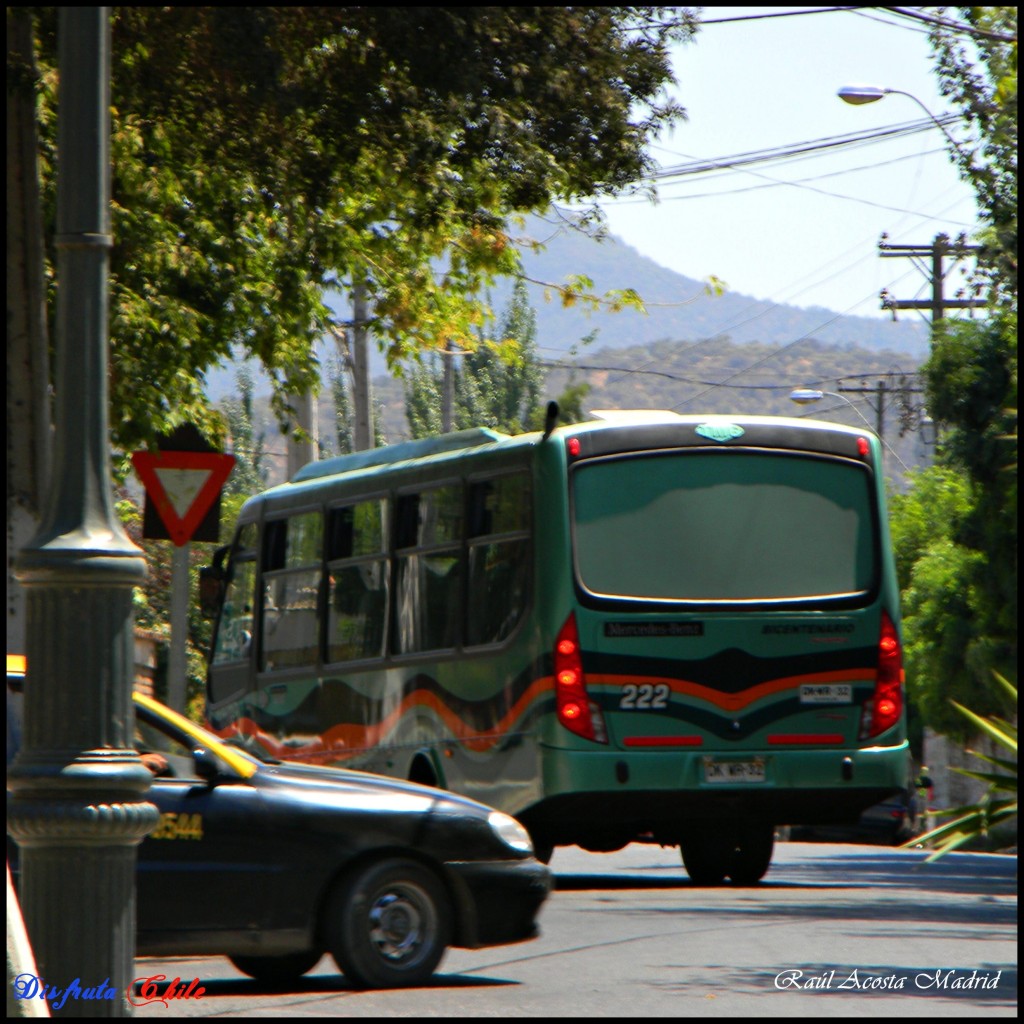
(805, 396)
(77, 808)
(858, 95)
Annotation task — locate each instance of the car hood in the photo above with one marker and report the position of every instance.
(447, 826)
(353, 784)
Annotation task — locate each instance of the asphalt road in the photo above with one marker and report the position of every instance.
(833, 930)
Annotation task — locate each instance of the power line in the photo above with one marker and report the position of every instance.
(778, 14)
(959, 27)
(795, 149)
(802, 184)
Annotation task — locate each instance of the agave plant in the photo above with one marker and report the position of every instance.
(998, 804)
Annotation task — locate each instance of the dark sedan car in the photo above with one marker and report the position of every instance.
(274, 864)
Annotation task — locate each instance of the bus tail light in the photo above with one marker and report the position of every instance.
(576, 711)
(886, 705)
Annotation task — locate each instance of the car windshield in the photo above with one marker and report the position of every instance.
(156, 723)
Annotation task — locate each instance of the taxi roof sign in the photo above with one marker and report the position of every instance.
(182, 486)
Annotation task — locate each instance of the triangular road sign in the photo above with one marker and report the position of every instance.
(182, 486)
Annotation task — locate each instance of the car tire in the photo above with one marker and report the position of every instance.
(278, 970)
(388, 925)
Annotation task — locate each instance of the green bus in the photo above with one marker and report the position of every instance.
(681, 630)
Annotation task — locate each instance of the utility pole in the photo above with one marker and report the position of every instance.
(878, 406)
(910, 414)
(935, 269)
(448, 388)
(362, 426)
(302, 441)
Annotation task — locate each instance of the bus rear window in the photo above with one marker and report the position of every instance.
(728, 526)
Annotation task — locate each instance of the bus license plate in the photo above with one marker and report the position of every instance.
(734, 771)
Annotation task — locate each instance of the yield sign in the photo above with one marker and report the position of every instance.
(182, 486)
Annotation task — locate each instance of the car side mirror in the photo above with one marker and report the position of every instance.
(207, 765)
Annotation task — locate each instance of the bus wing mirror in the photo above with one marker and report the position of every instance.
(550, 419)
(211, 590)
(211, 583)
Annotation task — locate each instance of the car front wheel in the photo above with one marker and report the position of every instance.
(388, 925)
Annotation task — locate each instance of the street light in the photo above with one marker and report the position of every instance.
(805, 396)
(858, 95)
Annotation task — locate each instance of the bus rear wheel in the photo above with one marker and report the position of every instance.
(705, 858)
(751, 854)
(741, 854)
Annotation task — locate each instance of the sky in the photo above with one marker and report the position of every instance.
(810, 238)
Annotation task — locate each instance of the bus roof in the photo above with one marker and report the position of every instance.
(403, 451)
(467, 441)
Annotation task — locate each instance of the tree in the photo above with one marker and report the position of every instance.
(960, 573)
(342, 410)
(971, 382)
(977, 71)
(324, 145)
(249, 475)
(497, 385)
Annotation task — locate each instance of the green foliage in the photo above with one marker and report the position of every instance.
(570, 405)
(929, 513)
(423, 386)
(498, 384)
(980, 78)
(971, 378)
(249, 475)
(999, 804)
(263, 155)
(960, 576)
(971, 381)
(342, 411)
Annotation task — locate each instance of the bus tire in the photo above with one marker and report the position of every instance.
(278, 970)
(388, 925)
(705, 859)
(543, 849)
(752, 854)
(422, 772)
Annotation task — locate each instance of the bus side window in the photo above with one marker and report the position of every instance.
(499, 557)
(359, 585)
(428, 570)
(292, 554)
(234, 633)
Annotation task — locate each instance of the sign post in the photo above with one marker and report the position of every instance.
(183, 482)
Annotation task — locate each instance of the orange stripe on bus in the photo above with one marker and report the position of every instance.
(736, 701)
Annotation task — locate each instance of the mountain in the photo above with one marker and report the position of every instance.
(679, 308)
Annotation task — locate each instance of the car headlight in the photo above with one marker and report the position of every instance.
(510, 832)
